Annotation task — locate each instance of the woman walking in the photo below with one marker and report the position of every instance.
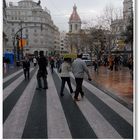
(65, 76)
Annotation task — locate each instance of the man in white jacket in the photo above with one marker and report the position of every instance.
(79, 67)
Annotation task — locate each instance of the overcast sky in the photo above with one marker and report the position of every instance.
(88, 10)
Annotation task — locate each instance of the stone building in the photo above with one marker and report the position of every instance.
(38, 29)
(118, 26)
(5, 27)
(64, 43)
(127, 10)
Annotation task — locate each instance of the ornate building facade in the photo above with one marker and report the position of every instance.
(37, 26)
(5, 27)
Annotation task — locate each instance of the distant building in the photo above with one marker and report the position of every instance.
(39, 30)
(64, 43)
(74, 31)
(127, 10)
(118, 26)
(5, 27)
(74, 21)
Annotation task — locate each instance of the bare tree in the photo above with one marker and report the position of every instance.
(109, 14)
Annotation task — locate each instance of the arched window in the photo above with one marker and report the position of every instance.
(75, 26)
(71, 27)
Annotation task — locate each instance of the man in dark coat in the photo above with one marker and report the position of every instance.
(26, 68)
(42, 72)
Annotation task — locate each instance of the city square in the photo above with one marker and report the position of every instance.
(105, 110)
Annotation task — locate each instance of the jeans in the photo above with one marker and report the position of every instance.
(79, 82)
(65, 79)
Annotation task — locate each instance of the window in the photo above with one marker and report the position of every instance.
(35, 30)
(13, 30)
(35, 40)
(26, 30)
(70, 27)
(75, 26)
(26, 36)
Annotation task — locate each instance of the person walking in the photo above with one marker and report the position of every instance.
(26, 67)
(35, 61)
(42, 71)
(52, 64)
(130, 66)
(65, 76)
(78, 69)
(110, 60)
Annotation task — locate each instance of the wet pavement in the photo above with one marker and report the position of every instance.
(118, 82)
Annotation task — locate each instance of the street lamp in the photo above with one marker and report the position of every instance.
(18, 49)
(21, 40)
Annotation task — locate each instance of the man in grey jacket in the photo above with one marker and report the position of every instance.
(78, 69)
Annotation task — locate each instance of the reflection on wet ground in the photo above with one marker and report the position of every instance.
(117, 82)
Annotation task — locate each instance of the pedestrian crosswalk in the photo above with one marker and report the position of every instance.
(29, 113)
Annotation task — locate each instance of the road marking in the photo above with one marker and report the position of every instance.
(112, 103)
(11, 76)
(15, 123)
(57, 124)
(98, 123)
(8, 90)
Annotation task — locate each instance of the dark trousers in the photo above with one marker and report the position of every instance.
(27, 73)
(79, 82)
(52, 66)
(64, 80)
(44, 77)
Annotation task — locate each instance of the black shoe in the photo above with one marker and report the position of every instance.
(61, 94)
(38, 88)
(45, 88)
(72, 92)
(82, 95)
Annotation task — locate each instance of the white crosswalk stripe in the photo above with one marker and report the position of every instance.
(14, 124)
(57, 123)
(99, 124)
(12, 86)
(112, 103)
(11, 76)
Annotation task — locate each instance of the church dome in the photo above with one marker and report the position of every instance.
(74, 16)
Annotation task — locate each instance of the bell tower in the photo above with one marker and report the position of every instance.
(74, 21)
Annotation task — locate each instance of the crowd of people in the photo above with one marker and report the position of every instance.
(66, 65)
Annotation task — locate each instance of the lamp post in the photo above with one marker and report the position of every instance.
(18, 49)
(21, 40)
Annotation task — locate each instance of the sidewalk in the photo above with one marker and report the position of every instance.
(115, 82)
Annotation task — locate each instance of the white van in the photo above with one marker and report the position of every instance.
(87, 59)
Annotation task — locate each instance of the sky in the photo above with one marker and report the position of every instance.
(88, 10)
